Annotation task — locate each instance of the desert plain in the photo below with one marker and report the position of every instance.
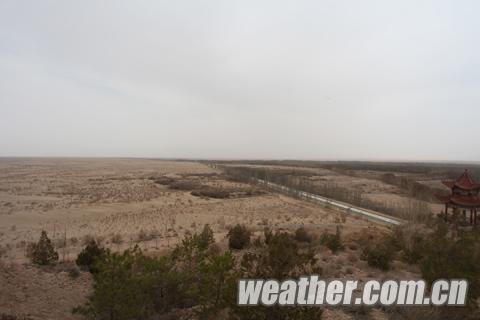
(153, 204)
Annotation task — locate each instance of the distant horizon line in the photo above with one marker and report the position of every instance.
(250, 159)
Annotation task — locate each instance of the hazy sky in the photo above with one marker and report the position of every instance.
(241, 79)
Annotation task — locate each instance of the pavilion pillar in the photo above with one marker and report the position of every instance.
(471, 216)
(446, 212)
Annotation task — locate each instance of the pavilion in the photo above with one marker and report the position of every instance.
(464, 196)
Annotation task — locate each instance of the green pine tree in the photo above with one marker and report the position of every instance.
(43, 251)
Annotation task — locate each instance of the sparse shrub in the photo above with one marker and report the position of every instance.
(43, 252)
(302, 235)
(409, 240)
(413, 252)
(184, 185)
(238, 237)
(205, 238)
(163, 180)
(379, 255)
(333, 241)
(283, 256)
(209, 192)
(90, 256)
(193, 247)
(280, 258)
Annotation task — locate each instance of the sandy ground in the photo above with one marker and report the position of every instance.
(77, 199)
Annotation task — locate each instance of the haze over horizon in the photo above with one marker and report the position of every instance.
(330, 80)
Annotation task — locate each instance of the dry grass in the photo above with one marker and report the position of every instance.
(124, 202)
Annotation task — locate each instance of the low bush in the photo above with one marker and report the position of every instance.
(302, 235)
(184, 185)
(413, 251)
(165, 181)
(379, 255)
(238, 237)
(332, 241)
(90, 256)
(205, 238)
(216, 193)
(43, 252)
(280, 258)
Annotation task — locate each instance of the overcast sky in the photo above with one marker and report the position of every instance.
(386, 80)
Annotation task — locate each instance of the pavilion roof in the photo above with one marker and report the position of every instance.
(464, 182)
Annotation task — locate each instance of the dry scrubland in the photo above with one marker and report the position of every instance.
(153, 203)
(119, 203)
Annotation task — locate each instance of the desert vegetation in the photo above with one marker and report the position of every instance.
(206, 190)
(197, 278)
(178, 252)
(43, 252)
